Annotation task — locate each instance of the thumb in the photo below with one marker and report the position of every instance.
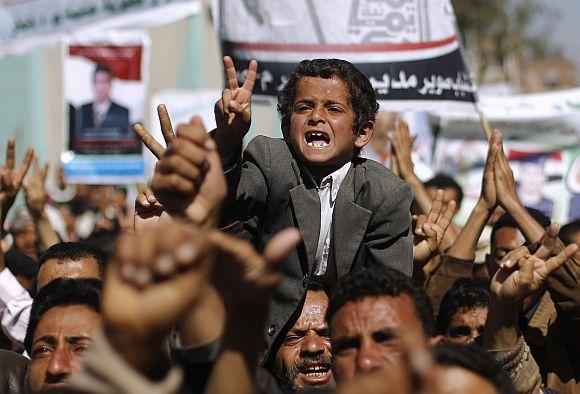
(281, 245)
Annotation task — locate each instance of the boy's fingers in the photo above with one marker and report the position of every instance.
(165, 123)
(251, 75)
(231, 73)
(25, 166)
(10, 154)
(154, 147)
(226, 98)
(549, 242)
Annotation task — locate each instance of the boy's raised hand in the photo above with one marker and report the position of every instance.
(34, 189)
(188, 179)
(233, 112)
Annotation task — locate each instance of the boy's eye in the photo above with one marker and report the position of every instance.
(40, 351)
(302, 107)
(334, 109)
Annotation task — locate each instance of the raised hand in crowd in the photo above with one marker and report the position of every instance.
(35, 196)
(430, 229)
(246, 280)
(401, 144)
(11, 178)
(466, 242)
(158, 276)
(233, 112)
(521, 273)
(188, 180)
(34, 188)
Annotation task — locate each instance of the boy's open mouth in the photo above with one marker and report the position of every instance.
(316, 139)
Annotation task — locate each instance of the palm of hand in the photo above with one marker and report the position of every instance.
(513, 285)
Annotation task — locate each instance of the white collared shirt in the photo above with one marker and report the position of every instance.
(327, 191)
(15, 304)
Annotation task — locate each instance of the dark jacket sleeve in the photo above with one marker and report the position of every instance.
(389, 239)
(247, 181)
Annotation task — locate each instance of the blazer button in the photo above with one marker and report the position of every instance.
(272, 330)
(305, 281)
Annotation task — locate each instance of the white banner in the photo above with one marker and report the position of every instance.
(26, 24)
(552, 118)
(408, 49)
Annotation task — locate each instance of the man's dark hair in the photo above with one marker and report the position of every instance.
(444, 181)
(103, 68)
(67, 251)
(468, 293)
(506, 220)
(473, 358)
(62, 292)
(361, 93)
(380, 282)
(20, 264)
(567, 232)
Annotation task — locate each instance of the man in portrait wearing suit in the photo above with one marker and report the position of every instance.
(104, 124)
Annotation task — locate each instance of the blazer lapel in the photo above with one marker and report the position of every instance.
(306, 204)
(350, 220)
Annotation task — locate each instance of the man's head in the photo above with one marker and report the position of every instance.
(463, 310)
(62, 323)
(73, 260)
(570, 234)
(304, 359)
(469, 369)
(368, 313)
(23, 232)
(451, 188)
(102, 78)
(506, 236)
(327, 109)
(23, 267)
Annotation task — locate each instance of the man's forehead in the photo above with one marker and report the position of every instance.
(376, 313)
(508, 238)
(67, 321)
(313, 311)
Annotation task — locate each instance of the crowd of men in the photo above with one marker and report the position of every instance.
(294, 264)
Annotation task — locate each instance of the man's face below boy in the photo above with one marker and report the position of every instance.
(321, 125)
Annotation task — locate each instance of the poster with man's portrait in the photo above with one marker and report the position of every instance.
(105, 86)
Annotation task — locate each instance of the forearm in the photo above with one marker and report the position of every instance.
(145, 355)
(466, 242)
(419, 192)
(531, 229)
(46, 234)
(204, 322)
(501, 326)
(235, 368)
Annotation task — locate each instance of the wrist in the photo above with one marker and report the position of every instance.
(482, 207)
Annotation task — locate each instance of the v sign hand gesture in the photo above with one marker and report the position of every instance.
(233, 112)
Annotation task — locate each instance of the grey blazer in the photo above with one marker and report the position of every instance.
(371, 224)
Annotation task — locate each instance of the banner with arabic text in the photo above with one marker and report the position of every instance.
(408, 49)
(25, 24)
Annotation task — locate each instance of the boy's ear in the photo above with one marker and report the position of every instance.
(364, 135)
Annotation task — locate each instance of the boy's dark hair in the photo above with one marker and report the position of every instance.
(380, 282)
(567, 232)
(473, 358)
(103, 68)
(506, 220)
(466, 293)
(361, 93)
(66, 251)
(20, 264)
(444, 181)
(62, 292)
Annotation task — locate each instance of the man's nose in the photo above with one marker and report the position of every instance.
(60, 365)
(368, 359)
(313, 344)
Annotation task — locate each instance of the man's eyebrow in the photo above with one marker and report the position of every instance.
(78, 338)
(50, 339)
(345, 342)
